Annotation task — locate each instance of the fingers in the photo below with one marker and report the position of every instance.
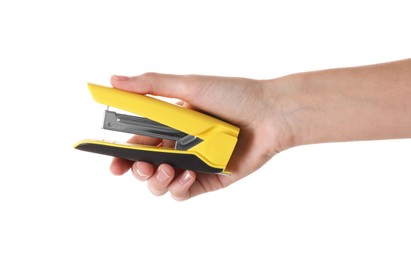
(142, 170)
(166, 85)
(145, 140)
(164, 179)
(158, 183)
(159, 180)
(180, 187)
(120, 166)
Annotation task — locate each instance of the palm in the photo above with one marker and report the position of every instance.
(258, 141)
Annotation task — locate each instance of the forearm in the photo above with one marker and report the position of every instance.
(349, 104)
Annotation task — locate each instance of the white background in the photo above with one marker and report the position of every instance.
(328, 201)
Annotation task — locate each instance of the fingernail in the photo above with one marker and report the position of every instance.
(162, 175)
(120, 78)
(140, 172)
(186, 177)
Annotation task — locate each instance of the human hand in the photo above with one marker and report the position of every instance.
(347, 104)
(247, 103)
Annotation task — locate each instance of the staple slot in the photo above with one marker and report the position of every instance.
(140, 126)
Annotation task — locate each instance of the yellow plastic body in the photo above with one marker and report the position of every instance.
(219, 138)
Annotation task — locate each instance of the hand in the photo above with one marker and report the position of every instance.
(249, 104)
(347, 104)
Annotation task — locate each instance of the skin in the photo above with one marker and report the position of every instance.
(346, 104)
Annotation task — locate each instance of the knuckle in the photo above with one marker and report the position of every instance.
(186, 83)
(179, 196)
(150, 75)
(155, 191)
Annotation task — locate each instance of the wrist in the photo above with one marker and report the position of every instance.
(303, 105)
(286, 105)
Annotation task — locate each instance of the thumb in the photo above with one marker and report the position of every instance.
(166, 85)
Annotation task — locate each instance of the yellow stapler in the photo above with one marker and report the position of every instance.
(202, 143)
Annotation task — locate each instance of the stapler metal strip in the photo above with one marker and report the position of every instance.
(202, 143)
(143, 126)
(139, 125)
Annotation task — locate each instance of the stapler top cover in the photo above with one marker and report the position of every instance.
(203, 143)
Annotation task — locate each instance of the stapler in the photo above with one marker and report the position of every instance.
(202, 143)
